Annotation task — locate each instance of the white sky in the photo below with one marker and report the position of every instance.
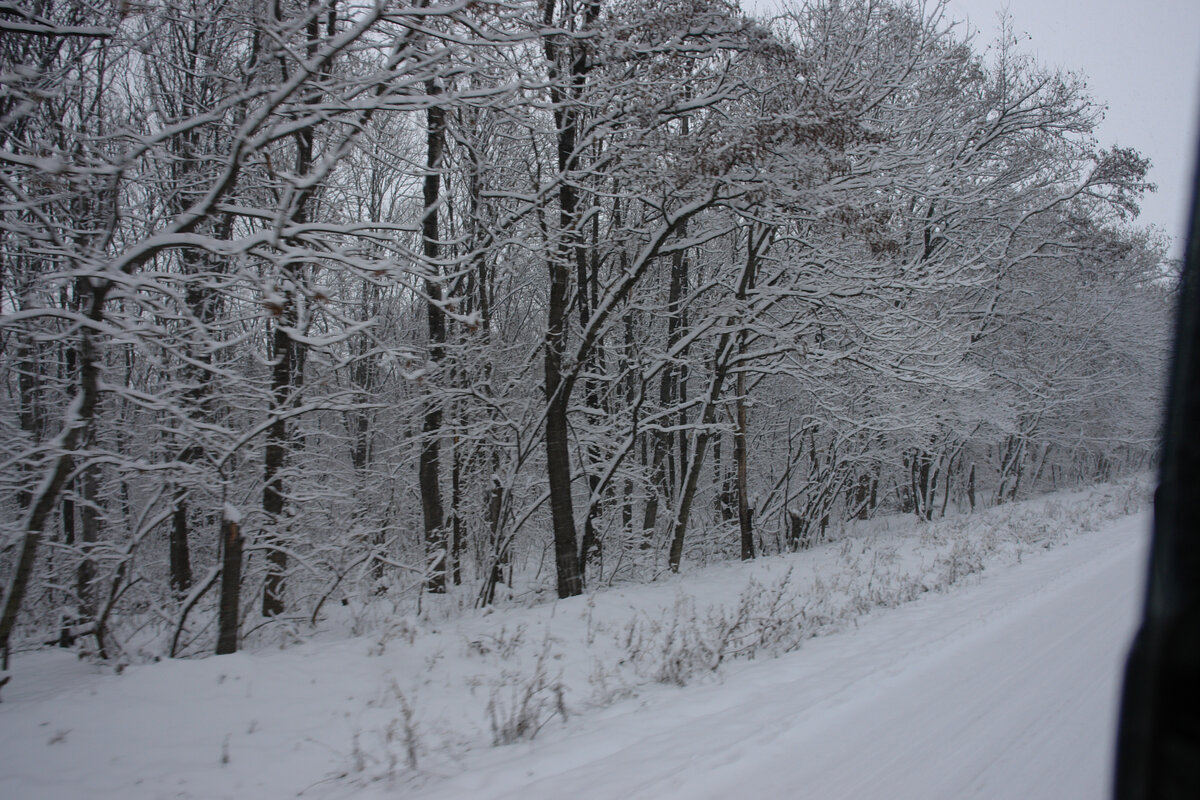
(1141, 58)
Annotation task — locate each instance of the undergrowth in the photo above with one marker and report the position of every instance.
(688, 640)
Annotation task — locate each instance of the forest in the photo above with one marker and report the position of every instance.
(309, 303)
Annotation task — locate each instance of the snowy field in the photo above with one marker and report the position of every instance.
(972, 657)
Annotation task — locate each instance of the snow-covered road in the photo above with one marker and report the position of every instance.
(1006, 689)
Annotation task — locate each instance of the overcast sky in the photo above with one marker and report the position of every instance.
(1141, 58)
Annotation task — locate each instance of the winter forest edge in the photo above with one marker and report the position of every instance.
(448, 303)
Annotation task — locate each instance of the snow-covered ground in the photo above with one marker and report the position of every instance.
(974, 657)
(1007, 689)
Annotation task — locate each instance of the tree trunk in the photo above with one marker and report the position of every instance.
(273, 461)
(923, 462)
(67, 513)
(229, 606)
(288, 370)
(89, 530)
(558, 465)
(456, 537)
(179, 557)
(971, 486)
(564, 98)
(586, 300)
(740, 457)
(429, 471)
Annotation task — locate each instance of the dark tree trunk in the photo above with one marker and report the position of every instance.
(923, 489)
(586, 300)
(89, 530)
(557, 388)
(179, 556)
(456, 538)
(229, 606)
(971, 487)
(740, 457)
(631, 395)
(65, 637)
(429, 470)
(499, 544)
(946, 486)
(558, 466)
(282, 379)
(288, 370)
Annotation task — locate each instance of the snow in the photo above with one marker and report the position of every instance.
(999, 683)
(1005, 690)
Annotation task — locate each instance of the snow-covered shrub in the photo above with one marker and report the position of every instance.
(765, 619)
(520, 705)
(502, 643)
(963, 559)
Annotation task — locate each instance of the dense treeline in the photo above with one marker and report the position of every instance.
(305, 301)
